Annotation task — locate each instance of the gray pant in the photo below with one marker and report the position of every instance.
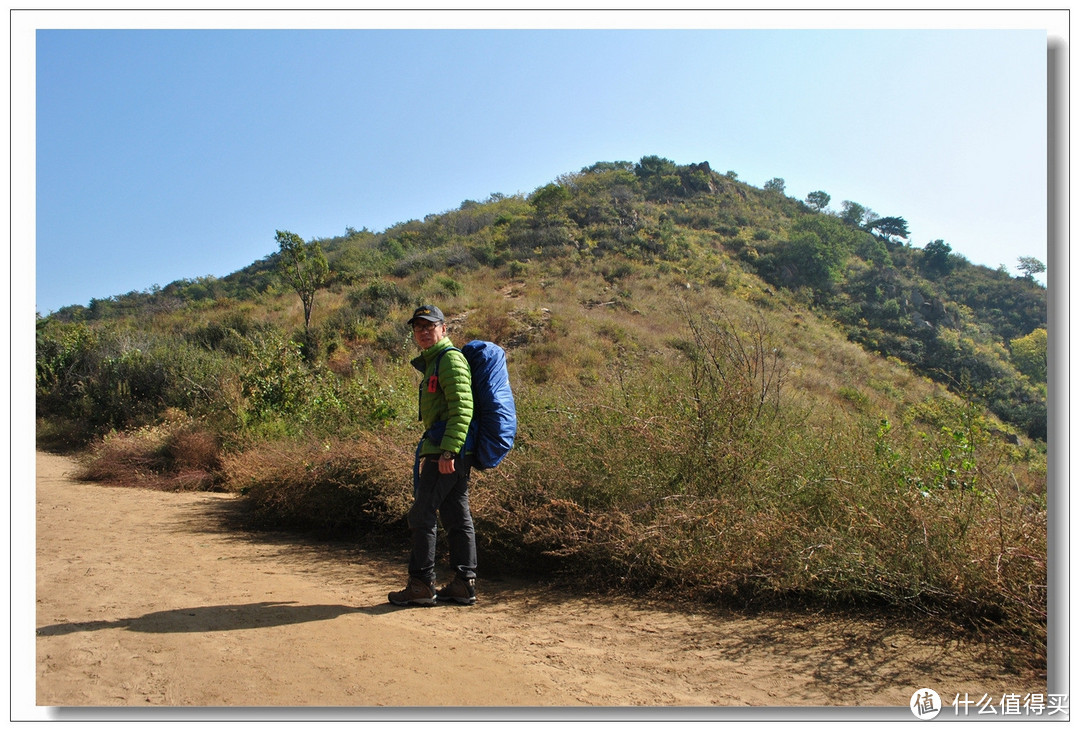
(444, 497)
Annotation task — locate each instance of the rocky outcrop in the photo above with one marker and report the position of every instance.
(930, 312)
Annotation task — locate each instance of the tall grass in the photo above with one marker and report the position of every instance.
(776, 504)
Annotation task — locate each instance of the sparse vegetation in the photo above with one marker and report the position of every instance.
(720, 389)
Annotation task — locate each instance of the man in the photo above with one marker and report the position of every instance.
(441, 487)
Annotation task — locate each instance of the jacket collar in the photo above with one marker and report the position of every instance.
(428, 355)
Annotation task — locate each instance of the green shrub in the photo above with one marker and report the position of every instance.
(285, 394)
(114, 378)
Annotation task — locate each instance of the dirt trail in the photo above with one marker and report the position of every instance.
(147, 599)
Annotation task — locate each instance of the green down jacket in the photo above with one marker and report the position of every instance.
(445, 398)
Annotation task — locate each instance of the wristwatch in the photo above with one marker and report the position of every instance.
(448, 455)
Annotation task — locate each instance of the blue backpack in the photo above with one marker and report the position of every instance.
(494, 424)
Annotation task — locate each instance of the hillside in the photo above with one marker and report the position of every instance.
(948, 319)
(719, 387)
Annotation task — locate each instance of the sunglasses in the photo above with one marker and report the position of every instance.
(425, 326)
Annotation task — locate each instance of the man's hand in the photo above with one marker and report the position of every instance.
(446, 463)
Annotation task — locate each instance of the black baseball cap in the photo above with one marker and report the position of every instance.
(431, 313)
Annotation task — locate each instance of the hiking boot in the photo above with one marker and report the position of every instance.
(416, 591)
(461, 591)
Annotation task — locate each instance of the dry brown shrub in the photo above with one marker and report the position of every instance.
(193, 449)
(127, 459)
(175, 456)
(340, 362)
(331, 484)
(495, 326)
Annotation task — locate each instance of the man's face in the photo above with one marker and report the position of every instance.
(427, 333)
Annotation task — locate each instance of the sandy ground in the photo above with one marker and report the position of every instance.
(149, 599)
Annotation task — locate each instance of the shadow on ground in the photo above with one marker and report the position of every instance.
(221, 618)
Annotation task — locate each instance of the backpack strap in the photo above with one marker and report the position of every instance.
(438, 358)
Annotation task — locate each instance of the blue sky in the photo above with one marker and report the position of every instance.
(170, 154)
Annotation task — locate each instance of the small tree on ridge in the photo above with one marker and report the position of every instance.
(304, 268)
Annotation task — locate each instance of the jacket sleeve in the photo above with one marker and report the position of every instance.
(456, 381)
